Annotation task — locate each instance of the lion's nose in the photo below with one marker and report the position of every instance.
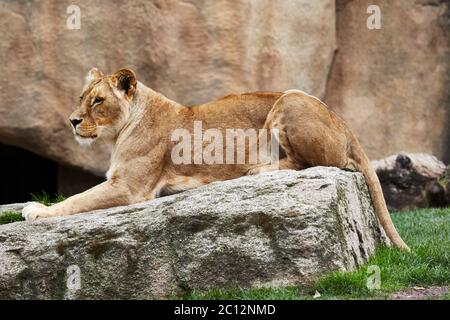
(75, 122)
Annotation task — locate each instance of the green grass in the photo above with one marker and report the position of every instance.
(10, 216)
(426, 231)
(289, 293)
(46, 199)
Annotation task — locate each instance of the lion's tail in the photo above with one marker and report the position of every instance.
(363, 165)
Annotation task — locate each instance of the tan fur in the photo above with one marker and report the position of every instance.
(138, 122)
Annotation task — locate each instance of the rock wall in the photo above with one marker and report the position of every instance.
(191, 51)
(275, 229)
(392, 85)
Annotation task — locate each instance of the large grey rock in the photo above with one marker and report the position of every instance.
(279, 228)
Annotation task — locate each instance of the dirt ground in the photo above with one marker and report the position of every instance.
(420, 293)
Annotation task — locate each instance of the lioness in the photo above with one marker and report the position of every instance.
(137, 122)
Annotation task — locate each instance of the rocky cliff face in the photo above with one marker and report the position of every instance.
(191, 51)
(275, 229)
(391, 85)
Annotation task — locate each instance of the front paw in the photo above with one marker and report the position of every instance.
(34, 211)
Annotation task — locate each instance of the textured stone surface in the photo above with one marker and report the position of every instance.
(191, 51)
(392, 85)
(279, 228)
(411, 180)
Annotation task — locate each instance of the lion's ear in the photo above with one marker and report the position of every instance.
(94, 74)
(124, 80)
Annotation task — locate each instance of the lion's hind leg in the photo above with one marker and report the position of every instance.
(276, 120)
(309, 133)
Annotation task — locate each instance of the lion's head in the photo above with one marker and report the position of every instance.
(104, 105)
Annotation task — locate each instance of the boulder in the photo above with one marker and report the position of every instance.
(412, 180)
(391, 85)
(275, 229)
(191, 51)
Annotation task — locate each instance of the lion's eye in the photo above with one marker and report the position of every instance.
(98, 100)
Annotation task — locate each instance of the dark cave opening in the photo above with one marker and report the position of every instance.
(24, 173)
